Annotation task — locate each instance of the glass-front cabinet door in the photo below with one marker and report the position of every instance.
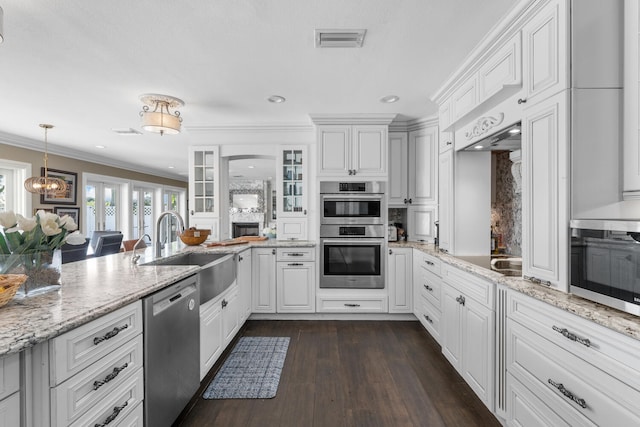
(292, 178)
(204, 187)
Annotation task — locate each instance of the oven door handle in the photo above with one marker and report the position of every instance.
(349, 241)
(348, 197)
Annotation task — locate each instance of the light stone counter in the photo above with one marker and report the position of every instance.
(95, 287)
(611, 318)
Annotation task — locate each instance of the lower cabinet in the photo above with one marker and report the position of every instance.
(427, 291)
(468, 331)
(296, 287)
(9, 390)
(219, 323)
(400, 280)
(243, 278)
(263, 280)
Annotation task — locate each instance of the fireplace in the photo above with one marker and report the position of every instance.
(246, 229)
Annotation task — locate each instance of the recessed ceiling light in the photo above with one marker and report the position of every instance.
(478, 147)
(390, 99)
(170, 167)
(515, 130)
(100, 146)
(251, 167)
(276, 99)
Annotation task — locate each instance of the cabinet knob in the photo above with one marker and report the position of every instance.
(428, 319)
(240, 258)
(390, 252)
(410, 201)
(449, 143)
(304, 212)
(522, 100)
(273, 251)
(224, 303)
(192, 212)
(405, 201)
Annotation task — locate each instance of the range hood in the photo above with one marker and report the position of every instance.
(507, 139)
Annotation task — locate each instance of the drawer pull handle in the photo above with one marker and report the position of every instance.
(112, 375)
(536, 280)
(295, 254)
(224, 303)
(568, 394)
(114, 414)
(429, 288)
(110, 334)
(573, 337)
(429, 262)
(428, 318)
(295, 264)
(461, 300)
(352, 305)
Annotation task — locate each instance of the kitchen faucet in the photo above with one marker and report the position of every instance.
(159, 245)
(134, 257)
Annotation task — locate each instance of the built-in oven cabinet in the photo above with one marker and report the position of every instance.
(400, 280)
(574, 370)
(357, 150)
(292, 190)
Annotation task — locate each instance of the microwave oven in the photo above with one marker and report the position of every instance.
(605, 262)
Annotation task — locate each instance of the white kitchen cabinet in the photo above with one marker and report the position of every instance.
(398, 190)
(400, 280)
(421, 223)
(445, 115)
(263, 280)
(631, 120)
(445, 141)
(427, 292)
(446, 199)
(502, 69)
(292, 201)
(296, 280)
(545, 190)
(468, 330)
(9, 390)
(413, 167)
(10, 411)
(465, 98)
(545, 54)
(211, 342)
(243, 278)
(230, 315)
(352, 150)
(204, 188)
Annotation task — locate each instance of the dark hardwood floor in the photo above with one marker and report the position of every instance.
(350, 373)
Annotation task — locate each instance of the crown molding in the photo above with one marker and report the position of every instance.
(415, 124)
(251, 128)
(30, 144)
(504, 29)
(352, 119)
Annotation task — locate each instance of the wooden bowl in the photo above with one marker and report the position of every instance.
(9, 284)
(194, 237)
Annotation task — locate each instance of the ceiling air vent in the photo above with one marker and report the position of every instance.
(340, 38)
(127, 131)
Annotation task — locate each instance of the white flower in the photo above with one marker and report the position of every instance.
(7, 219)
(50, 226)
(68, 223)
(46, 216)
(75, 238)
(26, 224)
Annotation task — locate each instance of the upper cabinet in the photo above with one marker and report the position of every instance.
(355, 146)
(631, 165)
(545, 52)
(204, 188)
(292, 178)
(501, 70)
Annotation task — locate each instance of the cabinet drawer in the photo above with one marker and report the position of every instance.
(615, 353)
(135, 418)
(578, 392)
(295, 254)
(78, 394)
(470, 285)
(75, 350)
(526, 410)
(352, 305)
(9, 375)
(117, 405)
(429, 286)
(429, 316)
(10, 411)
(427, 262)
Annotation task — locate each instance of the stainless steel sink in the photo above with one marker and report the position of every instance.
(217, 273)
(509, 266)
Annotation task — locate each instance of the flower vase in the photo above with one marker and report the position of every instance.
(42, 268)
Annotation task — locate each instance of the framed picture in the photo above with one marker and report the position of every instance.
(69, 197)
(72, 212)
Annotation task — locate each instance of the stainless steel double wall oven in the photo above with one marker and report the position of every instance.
(352, 235)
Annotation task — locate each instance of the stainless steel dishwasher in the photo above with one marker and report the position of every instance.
(171, 350)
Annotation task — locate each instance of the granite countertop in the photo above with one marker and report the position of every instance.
(611, 318)
(95, 287)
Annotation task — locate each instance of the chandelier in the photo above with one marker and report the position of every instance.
(157, 116)
(44, 184)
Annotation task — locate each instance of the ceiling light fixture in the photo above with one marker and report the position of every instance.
(389, 99)
(161, 120)
(45, 184)
(276, 99)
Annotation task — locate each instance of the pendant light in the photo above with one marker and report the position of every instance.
(44, 184)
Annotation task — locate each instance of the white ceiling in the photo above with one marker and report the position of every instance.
(82, 65)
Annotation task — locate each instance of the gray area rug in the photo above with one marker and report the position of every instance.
(252, 370)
